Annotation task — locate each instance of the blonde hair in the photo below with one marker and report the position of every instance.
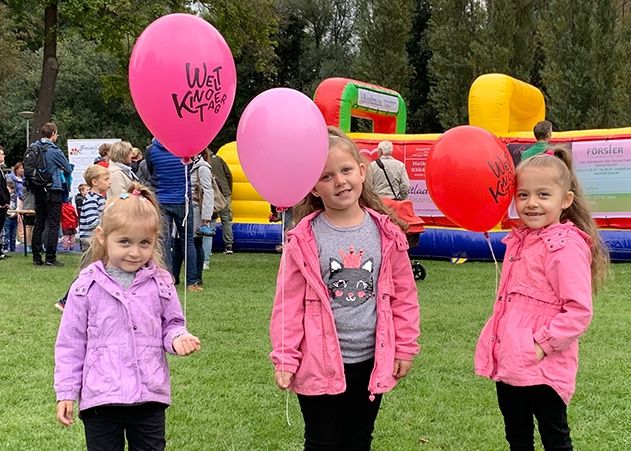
(120, 152)
(136, 152)
(93, 172)
(138, 208)
(367, 199)
(559, 157)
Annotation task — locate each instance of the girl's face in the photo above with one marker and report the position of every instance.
(19, 171)
(539, 199)
(128, 249)
(340, 184)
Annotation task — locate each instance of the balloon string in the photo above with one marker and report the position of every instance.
(282, 311)
(497, 267)
(185, 224)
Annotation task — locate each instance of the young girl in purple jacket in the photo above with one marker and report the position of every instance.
(552, 264)
(121, 316)
(345, 321)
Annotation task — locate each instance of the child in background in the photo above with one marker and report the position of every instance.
(98, 179)
(11, 223)
(69, 223)
(345, 321)
(552, 264)
(122, 317)
(80, 197)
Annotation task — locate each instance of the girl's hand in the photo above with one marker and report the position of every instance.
(186, 344)
(401, 368)
(283, 379)
(64, 412)
(539, 352)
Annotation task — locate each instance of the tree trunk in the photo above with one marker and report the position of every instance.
(50, 68)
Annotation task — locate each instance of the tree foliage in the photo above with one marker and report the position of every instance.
(578, 44)
(384, 31)
(452, 28)
(429, 50)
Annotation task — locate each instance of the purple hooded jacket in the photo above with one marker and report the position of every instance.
(111, 342)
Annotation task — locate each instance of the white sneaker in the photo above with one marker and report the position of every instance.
(206, 265)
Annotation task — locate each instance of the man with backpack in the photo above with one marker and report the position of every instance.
(47, 174)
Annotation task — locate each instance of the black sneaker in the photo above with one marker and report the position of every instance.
(228, 249)
(38, 262)
(55, 263)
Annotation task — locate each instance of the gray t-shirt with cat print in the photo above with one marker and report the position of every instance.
(350, 258)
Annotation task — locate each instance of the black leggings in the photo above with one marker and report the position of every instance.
(520, 404)
(345, 421)
(107, 426)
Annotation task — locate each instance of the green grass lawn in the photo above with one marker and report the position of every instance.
(224, 397)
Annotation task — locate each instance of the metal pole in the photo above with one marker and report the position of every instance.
(27, 134)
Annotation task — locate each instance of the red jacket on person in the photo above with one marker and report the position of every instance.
(69, 219)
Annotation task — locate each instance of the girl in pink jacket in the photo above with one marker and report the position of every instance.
(345, 321)
(121, 316)
(552, 264)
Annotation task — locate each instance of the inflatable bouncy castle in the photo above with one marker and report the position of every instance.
(508, 108)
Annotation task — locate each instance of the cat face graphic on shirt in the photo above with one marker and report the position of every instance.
(350, 284)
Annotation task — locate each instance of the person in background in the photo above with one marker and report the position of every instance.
(80, 197)
(119, 374)
(223, 175)
(5, 200)
(136, 158)
(121, 175)
(17, 177)
(98, 179)
(543, 132)
(553, 264)
(103, 159)
(203, 205)
(11, 223)
(170, 178)
(48, 200)
(390, 178)
(69, 223)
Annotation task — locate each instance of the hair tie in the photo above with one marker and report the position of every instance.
(123, 196)
(135, 192)
(549, 152)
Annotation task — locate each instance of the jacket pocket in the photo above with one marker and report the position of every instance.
(517, 357)
(97, 373)
(311, 369)
(153, 369)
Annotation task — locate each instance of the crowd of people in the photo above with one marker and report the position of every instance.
(53, 214)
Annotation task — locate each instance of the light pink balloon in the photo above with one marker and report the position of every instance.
(282, 142)
(182, 79)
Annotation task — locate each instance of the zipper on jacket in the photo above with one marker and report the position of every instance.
(503, 299)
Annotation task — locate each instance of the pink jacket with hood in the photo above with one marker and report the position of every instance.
(302, 330)
(545, 295)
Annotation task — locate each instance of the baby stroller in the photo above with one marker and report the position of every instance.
(405, 211)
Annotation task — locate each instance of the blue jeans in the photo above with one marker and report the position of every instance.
(174, 248)
(207, 244)
(10, 232)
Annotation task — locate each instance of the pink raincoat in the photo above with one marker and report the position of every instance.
(303, 334)
(545, 295)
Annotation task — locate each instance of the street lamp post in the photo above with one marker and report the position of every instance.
(27, 115)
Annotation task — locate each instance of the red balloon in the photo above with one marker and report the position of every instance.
(470, 177)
